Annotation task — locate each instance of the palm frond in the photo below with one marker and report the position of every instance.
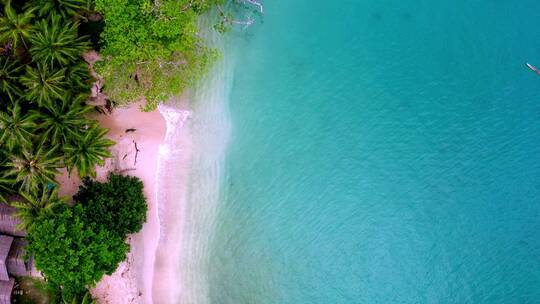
(34, 204)
(6, 188)
(16, 129)
(55, 41)
(16, 28)
(89, 150)
(66, 8)
(9, 73)
(44, 84)
(65, 121)
(34, 167)
(79, 77)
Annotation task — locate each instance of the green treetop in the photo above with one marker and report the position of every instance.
(72, 253)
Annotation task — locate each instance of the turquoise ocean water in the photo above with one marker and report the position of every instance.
(381, 152)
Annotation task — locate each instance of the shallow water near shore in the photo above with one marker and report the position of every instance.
(380, 152)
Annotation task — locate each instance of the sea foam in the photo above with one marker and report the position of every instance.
(190, 173)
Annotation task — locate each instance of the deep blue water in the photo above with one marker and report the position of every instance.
(382, 152)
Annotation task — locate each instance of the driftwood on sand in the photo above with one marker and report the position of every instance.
(136, 153)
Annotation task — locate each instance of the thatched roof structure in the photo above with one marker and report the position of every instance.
(5, 246)
(16, 263)
(9, 222)
(6, 287)
(12, 254)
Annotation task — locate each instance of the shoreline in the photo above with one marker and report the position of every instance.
(171, 186)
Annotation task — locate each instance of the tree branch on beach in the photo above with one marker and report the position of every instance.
(136, 153)
(255, 3)
(228, 19)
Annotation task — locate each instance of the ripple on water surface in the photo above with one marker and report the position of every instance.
(381, 152)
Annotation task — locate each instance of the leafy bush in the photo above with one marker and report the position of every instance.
(118, 205)
(73, 253)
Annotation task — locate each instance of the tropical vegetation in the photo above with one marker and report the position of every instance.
(45, 126)
(44, 83)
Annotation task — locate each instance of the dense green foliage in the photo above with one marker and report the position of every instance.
(71, 252)
(44, 126)
(44, 83)
(152, 49)
(119, 204)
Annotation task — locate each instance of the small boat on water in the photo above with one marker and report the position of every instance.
(530, 66)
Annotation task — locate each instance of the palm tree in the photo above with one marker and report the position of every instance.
(6, 189)
(6, 183)
(9, 73)
(79, 78)
(16, 28)
(55, 41)
(35, 204)
(16, 129)
(90, 150)
(34, 167)
(65, 121)
(66, 8)
(44, 84)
